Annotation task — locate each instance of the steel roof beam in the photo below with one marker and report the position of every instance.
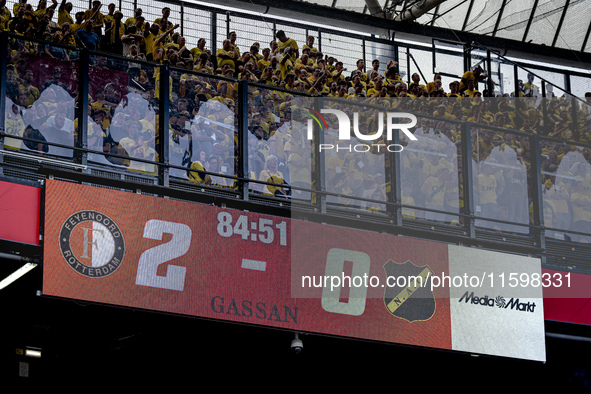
(529, 21)
(494, 33)
(586, 38)
(560, 23)
(468, 15)
(322, 13)
(435, 15)
(374, 8)
(417, 10)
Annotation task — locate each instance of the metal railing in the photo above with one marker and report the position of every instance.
(168, 173)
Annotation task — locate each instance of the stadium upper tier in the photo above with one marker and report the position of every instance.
(497, 152)
(551, 23)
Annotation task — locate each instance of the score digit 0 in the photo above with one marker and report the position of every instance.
(262, 230)
(335, 262)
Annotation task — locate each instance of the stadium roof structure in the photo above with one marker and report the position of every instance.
(555, 23)
(534, 26)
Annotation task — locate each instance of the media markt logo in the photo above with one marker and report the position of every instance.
(92, 244)
(499, 301)
(408, 293)
(344, 128)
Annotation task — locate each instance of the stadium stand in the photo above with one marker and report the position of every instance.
(528, 152)
(188, 98)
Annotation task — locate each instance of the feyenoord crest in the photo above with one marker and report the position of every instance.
(92, 244)
(408, 295)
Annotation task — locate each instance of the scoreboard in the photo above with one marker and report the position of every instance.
(121, 248)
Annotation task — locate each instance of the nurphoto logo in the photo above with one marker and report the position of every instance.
(391, 123)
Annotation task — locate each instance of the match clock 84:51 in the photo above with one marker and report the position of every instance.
(263, 229)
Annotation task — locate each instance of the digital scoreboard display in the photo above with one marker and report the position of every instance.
(120, 248)
(19, 213)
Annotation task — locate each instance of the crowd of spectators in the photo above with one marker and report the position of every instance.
(124, 112)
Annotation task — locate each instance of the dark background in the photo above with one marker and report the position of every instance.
(88, 346)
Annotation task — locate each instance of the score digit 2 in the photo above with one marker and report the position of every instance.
(149, 261)
(263, 230)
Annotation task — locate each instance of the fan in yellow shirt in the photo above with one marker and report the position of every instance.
(476, 75)
(95, 17)
(285, 43)
(227, 55)
(272, 175)
(198, 50)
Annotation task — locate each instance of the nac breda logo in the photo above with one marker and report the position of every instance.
(92, 244)
(344, 121)
(411, 299)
